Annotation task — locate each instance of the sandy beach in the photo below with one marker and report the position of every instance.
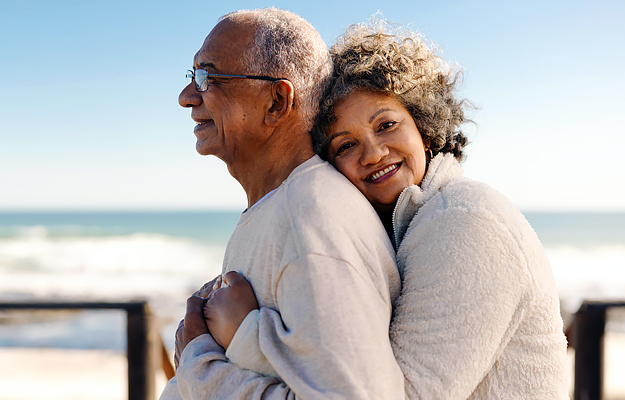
(614, 366)
(65, 374)
(68, 374)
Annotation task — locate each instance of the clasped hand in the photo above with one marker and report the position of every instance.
(218, 308)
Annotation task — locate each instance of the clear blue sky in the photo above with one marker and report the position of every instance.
(89, 117)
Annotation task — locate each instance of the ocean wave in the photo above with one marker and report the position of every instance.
(136, 264)
(588, 273)
(165, 270)
(161, 269)
(140, 252)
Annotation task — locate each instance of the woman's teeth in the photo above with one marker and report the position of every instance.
(385, 171)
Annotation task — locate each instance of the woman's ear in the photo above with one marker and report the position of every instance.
(283, 94)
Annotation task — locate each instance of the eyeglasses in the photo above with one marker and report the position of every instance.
(203, 78)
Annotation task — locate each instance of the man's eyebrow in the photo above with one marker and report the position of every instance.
(207, 66)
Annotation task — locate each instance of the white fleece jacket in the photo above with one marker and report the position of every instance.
(478, 316)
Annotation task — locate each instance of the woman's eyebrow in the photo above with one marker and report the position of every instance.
(375, 114)
(337, 135)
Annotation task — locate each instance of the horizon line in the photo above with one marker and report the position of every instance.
(104, 210)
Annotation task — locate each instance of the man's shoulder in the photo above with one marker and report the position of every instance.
(316, 183)
(329, 217)
(321, 201)
(320, 211)
(313, 192)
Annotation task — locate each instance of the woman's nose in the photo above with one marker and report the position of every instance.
(190, 97)
(373, 152)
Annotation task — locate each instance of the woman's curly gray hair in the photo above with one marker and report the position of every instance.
(384, 59)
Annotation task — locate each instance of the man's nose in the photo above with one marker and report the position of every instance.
(189, 97)
(373, 152)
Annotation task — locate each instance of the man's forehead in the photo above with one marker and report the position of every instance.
(224, 46)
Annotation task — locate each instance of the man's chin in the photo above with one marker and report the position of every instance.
(203, 149)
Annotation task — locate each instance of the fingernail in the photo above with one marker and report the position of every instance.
(217, 284)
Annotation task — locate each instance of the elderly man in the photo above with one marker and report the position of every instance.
(309, 243)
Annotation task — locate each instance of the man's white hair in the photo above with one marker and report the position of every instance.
(285, 45)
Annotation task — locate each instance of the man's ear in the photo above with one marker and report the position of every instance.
(283, 94)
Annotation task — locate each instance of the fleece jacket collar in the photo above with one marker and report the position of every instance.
(441, 169)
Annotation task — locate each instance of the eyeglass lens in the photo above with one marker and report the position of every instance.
(201, 83)
(199, 76)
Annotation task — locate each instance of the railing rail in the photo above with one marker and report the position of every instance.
(141, 340)
(585, 334)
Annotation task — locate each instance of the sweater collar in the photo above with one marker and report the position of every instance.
(312, 162)
(441, 169)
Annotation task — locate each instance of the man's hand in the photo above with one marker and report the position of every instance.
(227, 307)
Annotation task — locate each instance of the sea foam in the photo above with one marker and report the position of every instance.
(161, 269)
(165, 270)
(588, 273)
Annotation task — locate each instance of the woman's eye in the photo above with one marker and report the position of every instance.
(386, 125)
(343, 147)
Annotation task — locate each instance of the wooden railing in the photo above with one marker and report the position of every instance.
(145, 347)
(585, 334)
(144, 344)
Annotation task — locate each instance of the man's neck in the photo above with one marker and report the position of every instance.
(272, 166)
(274, 178)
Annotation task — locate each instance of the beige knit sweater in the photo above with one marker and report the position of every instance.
(324, 274)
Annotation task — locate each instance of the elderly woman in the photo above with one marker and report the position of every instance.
(478, 316)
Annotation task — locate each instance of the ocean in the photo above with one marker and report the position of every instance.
(163, 257)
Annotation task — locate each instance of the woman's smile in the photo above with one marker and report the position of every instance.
(383, 174)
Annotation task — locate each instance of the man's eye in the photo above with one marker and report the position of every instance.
(215, 80)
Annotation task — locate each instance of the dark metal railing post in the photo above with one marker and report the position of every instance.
(141, 338)
(140, 363)
(589, 329)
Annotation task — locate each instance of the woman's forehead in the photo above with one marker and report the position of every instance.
(362, 102)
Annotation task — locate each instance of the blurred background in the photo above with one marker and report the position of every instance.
(103, 197)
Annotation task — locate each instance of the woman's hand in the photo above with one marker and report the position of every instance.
(192, 326)
(182, 335)
(227, 306)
